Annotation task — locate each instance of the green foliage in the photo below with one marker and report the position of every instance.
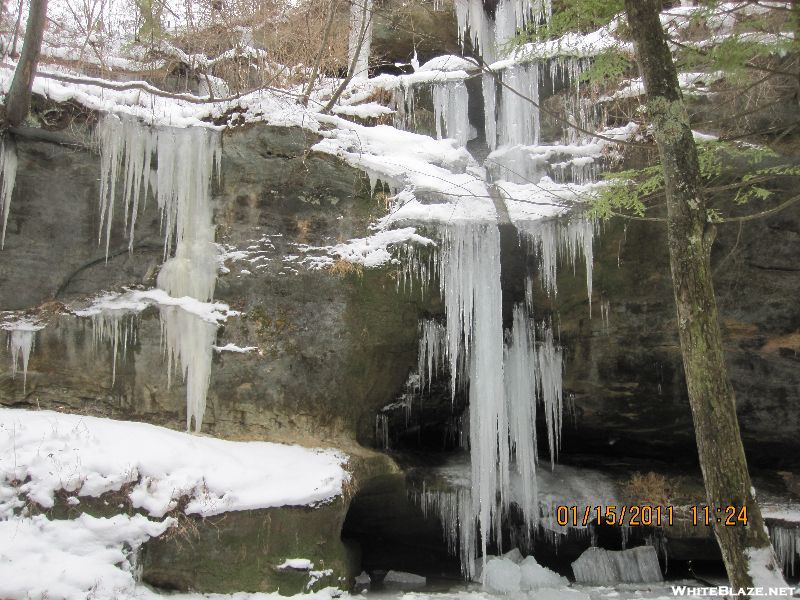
(574, 15)
(733, 55)
(607, 67)
(631, 192)
(625, 192)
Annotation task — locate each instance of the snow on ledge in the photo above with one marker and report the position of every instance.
(296, 564)
(89, 456)
(136, 301)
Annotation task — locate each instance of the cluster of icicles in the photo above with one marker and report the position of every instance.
(186, 162)
(508, 375)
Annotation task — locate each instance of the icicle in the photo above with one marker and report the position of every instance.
(128, 145)
(453, 508)
(519, 117)
(786, 542)
(489, 37)
(552, 240)
(117, 327)
(470, 282)
(490, 109)
(188, 340)
(471, 16)
(8, 172)
(403, 102)
(21, 340)
(188, 159)
(382, 430)
(450, 100)
(549, 370)
(521, 391)
(360, 23)
(432, 351)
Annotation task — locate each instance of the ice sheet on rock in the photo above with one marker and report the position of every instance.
(450, 111)
(363, 111)
(86, 557)
(404, 578)
(89, 456)
(597, 566)
(8, 173)
(572, 44)
(489, 93)
(416, 166)
(518, 122)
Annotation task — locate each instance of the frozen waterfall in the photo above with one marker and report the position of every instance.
(489, 35)
(506, 378)
(450, 111)
(187, 161)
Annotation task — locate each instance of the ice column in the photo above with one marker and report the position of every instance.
(187, 161)
(450, 100)
(521, 390)
(489, 89)
(360, 26)
(519, 117)
(470, 281)
(8, 172)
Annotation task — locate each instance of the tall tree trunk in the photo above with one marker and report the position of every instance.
(18, 101)
(690, 236)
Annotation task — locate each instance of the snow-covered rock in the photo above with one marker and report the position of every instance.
(89, 456)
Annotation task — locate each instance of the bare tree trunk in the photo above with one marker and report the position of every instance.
(325, 37)
(13, 53)
(690, 236)
(18, 101)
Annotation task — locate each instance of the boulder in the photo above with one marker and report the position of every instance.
(597, 566)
